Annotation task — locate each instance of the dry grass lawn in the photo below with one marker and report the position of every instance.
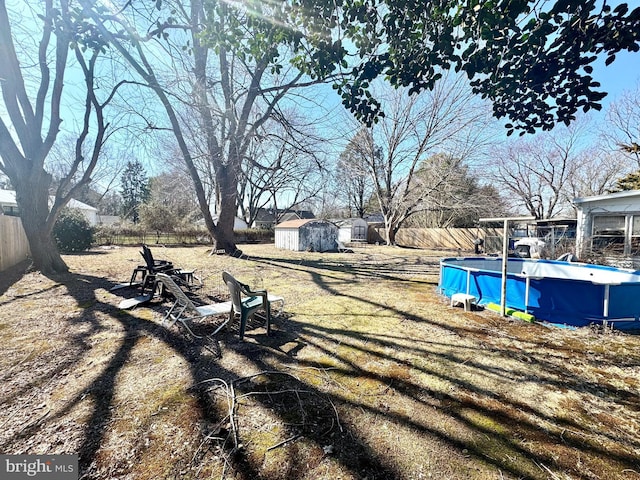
(368, 374)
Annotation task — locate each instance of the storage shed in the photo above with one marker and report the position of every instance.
(311, 234)
(352, 230)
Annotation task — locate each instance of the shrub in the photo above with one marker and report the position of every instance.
(255, 235)
(72, 232)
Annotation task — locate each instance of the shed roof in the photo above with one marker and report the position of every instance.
(304, 221)
(295, 223)
(341, 222)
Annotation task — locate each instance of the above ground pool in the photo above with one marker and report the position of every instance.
(575, 294)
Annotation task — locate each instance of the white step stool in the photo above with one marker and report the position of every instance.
(463, 298)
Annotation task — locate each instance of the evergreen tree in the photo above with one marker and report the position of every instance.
(134, 190)
(629, 182)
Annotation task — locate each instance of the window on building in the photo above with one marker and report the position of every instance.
(635, 235)
(10, 210)
(608, 234)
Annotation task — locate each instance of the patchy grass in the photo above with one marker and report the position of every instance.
(368, 374)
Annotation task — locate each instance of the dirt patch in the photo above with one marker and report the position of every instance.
(368, 373)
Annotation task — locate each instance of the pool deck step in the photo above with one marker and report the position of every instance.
(465, 299)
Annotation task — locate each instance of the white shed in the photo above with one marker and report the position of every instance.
(310, 234)
(609, 223)
(352, 230)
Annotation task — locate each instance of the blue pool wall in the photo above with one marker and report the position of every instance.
(559, 292)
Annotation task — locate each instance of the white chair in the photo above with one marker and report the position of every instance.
(184, 310)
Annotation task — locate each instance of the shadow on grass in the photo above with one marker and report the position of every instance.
(12, 275)
(492, 429)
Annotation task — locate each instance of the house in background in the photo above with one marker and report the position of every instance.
(9, 206)
(238, 223)
(306, 235)
(609, 224)
(267, 218)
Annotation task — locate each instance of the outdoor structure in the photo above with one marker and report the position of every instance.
(238, 223)
(609, 223)
(267, 218)
(352, 229)
(9, 206)
(565, 293)
(306, 235)
(14, 246)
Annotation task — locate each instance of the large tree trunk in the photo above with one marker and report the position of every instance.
(391, 234)
(44, 253)
(226, 205)
(33, 198)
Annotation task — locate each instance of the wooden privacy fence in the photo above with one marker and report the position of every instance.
(445, 238)
(14, 247)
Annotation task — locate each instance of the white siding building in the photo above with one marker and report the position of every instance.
(609, 223)
(9, 206)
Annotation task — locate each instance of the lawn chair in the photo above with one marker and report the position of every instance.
(150, 261)
(247, 306)
(149, 270)
(184, 310)
(184, 278)
(156, 266)
(342, 247)
(147, 273)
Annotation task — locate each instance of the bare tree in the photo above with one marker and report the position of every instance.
(544, 173)
(459, 201)
(597, 172)
(353, 182)
(415, 128)
(34, 89)
(282, 168)
(174, 190)
(233, 84)
(623, 125)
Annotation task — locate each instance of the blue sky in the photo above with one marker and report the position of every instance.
(622, 75)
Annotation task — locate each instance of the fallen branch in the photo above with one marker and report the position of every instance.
(284, 442)
(232, 411)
